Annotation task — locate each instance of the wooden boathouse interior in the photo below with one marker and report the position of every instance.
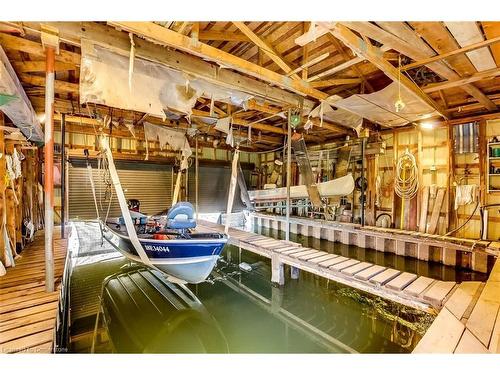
(363, 95)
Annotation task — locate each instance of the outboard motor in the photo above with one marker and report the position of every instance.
(181, 217)
(134, 205)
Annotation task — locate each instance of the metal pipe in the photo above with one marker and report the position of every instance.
(196, 166)
(63, 174)
(288, 174)
(49, 168)
(363, 147)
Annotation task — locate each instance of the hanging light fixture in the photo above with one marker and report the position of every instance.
(399, 104)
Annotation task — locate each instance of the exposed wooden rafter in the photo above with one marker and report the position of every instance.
(373, 54)
(400, 37)
(487, 74)
(160, 35)
(266, 48)
(442, 56)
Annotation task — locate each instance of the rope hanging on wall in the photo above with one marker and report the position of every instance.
(406, 177)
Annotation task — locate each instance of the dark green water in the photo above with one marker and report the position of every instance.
(309, 315)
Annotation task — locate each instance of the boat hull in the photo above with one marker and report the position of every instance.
(184, 260)
(337, 187)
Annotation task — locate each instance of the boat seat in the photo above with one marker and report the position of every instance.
(180, 216)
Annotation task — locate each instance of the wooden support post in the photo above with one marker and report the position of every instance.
(316, 232)
(294, 273)
(380, 244)
(449, 256)
(330, 235)
(275, 224)
(63, 175)
(288, 173)
(2, 192)
(400, 247)
(423, 251)
(361, 240)
(344, 237)
(10, 205)
(451, 179)
(305, 230)
(49, 168)
(278, 270)
(479, 262)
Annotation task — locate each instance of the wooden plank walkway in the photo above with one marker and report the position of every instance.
(404, 288)
(469, 321)
(27, 312)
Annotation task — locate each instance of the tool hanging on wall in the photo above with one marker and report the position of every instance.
(406, 180)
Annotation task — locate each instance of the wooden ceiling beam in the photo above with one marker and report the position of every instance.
(486, 74)
(223, 36)
(73, 32)
(163, 36)
(459, 51)
(266, 48)
(39, 66)
(306, 64)
(35, 48)
(336, 82)
(401, 38)
(346, 57)
(367, 51)
(59, 86)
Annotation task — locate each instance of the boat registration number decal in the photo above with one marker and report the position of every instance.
(157, 248)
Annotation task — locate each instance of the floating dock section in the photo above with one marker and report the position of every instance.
(402, 287)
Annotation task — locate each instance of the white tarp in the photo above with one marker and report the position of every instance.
(20, 111)
(379, 106)
(152, 87)
(325, 112)
(174, 138)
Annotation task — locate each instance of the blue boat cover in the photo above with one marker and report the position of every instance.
(180, 216)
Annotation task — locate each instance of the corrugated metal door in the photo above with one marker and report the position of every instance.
(213, 189)
(150, 183)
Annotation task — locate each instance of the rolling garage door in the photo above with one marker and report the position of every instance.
(150, 183)
(213, 189)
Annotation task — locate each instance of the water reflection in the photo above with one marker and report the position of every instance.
(142, 312)
(138, 311)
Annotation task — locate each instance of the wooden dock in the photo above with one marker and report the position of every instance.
(27, 311)
(402, 287)
(469, 321)
(475, 255)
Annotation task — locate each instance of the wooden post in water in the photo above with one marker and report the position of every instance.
(288, 175)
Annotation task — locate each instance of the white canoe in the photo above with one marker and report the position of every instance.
(337, 187)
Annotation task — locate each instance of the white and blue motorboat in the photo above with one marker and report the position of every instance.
(170, 243)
